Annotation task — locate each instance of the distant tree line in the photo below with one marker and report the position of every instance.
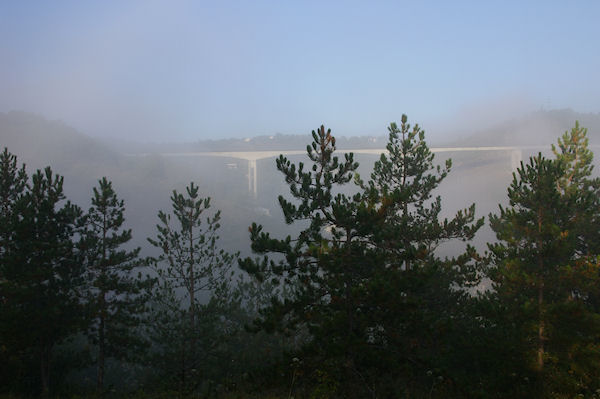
(357, 304)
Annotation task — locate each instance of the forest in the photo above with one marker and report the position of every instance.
(359, 302)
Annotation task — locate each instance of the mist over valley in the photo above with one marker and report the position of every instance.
(309, 200)
(145, 174)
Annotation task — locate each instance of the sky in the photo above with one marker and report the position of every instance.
(188, 70)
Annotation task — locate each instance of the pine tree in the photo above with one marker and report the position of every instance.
(534, 230)
(402, 184)
(13, 182)
(582, 191)
(190, 268)
(114, 296)
(323, 273)
(40, 272)
(577, 158)
(540, 282)
(346, 277)
(419, 299)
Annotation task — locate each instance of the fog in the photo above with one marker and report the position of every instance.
(109, 89)
(158, 71)
(155, 94)
(144, 175)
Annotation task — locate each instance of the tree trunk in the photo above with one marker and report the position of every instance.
(541, 324)
(407, 263)
(101, 347)
(102, 307)
(182, 379)
(45, 371)
(192, 293)
(540, 338)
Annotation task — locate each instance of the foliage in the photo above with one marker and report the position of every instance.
(418, 302)
(543, 285)
(12, 187)
(576, 157)
(193, 266)
(402, 185)
(362, 276)
(40, 269)
(576, 182)
(13, 181)
(322, 270)
(358, 304)
(113, 295)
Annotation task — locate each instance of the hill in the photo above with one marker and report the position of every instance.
(538, 128)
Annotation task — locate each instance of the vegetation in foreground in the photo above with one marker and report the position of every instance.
(357, 304)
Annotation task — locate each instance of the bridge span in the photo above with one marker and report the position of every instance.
(258, 155)
(253, 156)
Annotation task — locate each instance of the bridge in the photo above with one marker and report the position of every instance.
(253, 156)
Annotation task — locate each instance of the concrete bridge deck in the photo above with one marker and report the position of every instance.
(253, 156)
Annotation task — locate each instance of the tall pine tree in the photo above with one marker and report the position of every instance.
(577, 159)
(419, 300)
(113, 294)
(543, 286)
(41, 272)
(193, 277)
(326, 272)
(13, 182)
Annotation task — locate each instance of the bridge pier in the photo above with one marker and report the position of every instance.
(252, 177)
(516, 158)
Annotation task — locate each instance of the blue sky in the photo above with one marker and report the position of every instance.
(187, 70)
